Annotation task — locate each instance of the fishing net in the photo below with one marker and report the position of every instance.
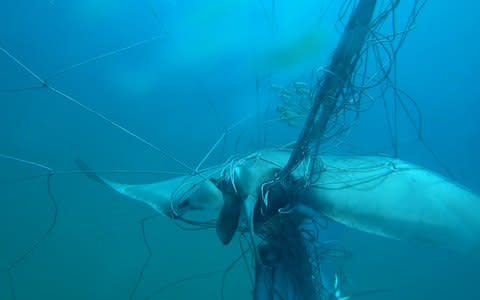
(344, 89)
(296, 239)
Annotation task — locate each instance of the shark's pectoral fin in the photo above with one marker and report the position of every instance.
(228, 219)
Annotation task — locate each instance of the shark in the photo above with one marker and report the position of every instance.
(380, 195)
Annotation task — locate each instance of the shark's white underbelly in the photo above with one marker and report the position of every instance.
(399, 200)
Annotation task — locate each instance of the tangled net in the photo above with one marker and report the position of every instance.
(372, 69)
(375, 69)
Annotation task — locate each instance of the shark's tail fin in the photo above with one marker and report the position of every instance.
(156, 195)
(88, 172)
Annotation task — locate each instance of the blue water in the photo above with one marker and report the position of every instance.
(209, 66)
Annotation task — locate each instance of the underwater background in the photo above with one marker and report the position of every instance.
(203, 67)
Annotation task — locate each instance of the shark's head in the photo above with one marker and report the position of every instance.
(205, 196)
(241, 186)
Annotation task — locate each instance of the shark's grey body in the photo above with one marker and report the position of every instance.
(397, 199)
(379, 195)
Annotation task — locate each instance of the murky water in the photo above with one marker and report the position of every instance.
(192, 70)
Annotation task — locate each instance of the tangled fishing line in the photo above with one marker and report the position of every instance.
(375, 69)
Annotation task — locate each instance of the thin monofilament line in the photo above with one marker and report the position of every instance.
(77, 172)
(210, 151)
(228, 269)
(45, 234)
(183, 280)
(156, 16)
(115, 124)
(121, 171)
(207, 99)
(149, 254)
(147, 261)
(22, 65)
(35, 164)
(93, 59)
(225, 132)
(39, 241)
(210, 103)
(99, 115)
